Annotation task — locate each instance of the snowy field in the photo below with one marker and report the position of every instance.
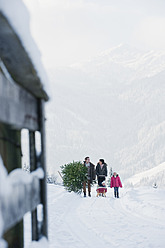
(136, 220)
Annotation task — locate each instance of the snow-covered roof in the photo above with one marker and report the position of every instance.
(18, 50)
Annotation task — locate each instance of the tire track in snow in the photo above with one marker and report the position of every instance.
(135, 229)
(96, 219)
(87, 238)
(78, 222)
(118, 228)
(72, 233)
(126, 208)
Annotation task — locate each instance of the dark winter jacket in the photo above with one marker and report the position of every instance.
(92, 172)
(101, 172)
(115, 182)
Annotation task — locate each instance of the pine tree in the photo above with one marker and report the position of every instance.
(111, 172)
(51, 179)
(74, 174)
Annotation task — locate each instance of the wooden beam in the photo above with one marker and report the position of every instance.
(43, 166)
(10, 147)
(18, 107)
(17, 61)
(11, 156)
(33, 166)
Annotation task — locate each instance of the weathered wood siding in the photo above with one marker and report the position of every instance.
(18, 107)
(17, 60)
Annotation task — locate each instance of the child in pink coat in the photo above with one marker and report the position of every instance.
(116, 183)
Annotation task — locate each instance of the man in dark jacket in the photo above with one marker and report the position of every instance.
(90, 177)
(101, 171)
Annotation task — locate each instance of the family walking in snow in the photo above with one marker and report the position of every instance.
(101, 173)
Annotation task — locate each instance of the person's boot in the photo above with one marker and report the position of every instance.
(89, 194)
(115, 194)
(84, 194)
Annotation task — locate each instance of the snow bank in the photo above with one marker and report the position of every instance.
(148, 177)
(3, 243)
(20, 176)
(43, 242)
(18, 16)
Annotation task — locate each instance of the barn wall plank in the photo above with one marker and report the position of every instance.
(18, 107)
(17, 60)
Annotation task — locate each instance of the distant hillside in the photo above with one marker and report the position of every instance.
(150, 177)
(110, 107)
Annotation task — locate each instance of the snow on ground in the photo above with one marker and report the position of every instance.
(137, 219)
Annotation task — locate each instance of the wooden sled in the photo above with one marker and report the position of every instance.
(101, 191)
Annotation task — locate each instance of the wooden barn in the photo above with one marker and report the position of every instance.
(22, 100)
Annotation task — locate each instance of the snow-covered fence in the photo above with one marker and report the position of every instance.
(22, 100)
(26, 188)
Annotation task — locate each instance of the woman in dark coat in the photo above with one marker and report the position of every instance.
(101, 171)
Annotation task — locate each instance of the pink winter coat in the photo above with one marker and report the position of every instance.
(115, 182)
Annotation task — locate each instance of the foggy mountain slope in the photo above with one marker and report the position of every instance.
(109, 108)
(148, 177)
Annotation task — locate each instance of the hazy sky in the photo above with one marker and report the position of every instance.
(69, 31)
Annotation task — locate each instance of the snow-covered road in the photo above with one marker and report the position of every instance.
(136, 220)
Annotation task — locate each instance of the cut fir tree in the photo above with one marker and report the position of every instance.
(74, 174)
